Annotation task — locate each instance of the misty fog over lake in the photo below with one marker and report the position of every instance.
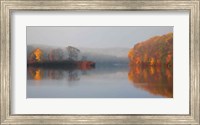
(109, 82)
(109, 79)
(99, 62)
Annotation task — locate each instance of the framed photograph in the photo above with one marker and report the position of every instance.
(99, 62)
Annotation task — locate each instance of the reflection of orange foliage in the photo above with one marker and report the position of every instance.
(158, 62)
(154, 79)
(38, 54)
(137, 70)
(152, 70)
(36, 73)
(169, 76)
(130, 76)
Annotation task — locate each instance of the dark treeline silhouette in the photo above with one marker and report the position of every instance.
(56, 64)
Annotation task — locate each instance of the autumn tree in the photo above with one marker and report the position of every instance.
(155, 51)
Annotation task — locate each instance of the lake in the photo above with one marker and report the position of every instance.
(103, 81)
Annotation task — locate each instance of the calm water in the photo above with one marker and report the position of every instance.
(111, 81)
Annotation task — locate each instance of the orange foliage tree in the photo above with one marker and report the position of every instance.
(157, 50)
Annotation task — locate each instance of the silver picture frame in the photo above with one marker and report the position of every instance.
(9, 6)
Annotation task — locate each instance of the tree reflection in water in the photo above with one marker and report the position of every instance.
(156, 80)
(36, 73)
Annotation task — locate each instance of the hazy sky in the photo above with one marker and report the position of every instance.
(93, 37)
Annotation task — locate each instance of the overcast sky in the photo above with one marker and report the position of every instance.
(93, 37)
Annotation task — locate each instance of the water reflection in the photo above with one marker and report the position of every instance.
(36, 73)
(73, 74)
(156, 80)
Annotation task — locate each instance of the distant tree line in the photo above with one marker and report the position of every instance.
(52, 54)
